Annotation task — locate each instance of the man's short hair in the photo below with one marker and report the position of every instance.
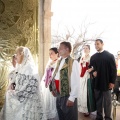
(101, 41)
(68, 45)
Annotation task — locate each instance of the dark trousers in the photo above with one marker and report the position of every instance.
(103, 100)
(64, 112)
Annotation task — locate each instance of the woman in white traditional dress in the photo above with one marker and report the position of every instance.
(84, 76)
(49, 100)
(24, 102)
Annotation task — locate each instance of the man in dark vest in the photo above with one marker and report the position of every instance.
(104, 75)
(65, 84)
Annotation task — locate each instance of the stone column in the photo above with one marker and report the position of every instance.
(47, 35)
(44, 33)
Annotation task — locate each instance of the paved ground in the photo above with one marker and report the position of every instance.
(92, 116)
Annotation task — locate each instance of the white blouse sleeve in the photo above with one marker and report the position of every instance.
(75, 81)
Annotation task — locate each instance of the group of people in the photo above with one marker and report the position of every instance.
(67, 87)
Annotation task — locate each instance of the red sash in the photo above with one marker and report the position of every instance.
(57, 85)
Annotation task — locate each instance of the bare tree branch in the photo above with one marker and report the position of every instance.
(79, 40)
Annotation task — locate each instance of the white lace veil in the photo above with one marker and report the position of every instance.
(27, 59)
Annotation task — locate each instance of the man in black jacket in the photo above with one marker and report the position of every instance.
(104, 74)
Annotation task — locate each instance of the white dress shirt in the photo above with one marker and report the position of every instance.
(101, 51)
(75, 78)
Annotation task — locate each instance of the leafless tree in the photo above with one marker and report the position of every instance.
(77, 38)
